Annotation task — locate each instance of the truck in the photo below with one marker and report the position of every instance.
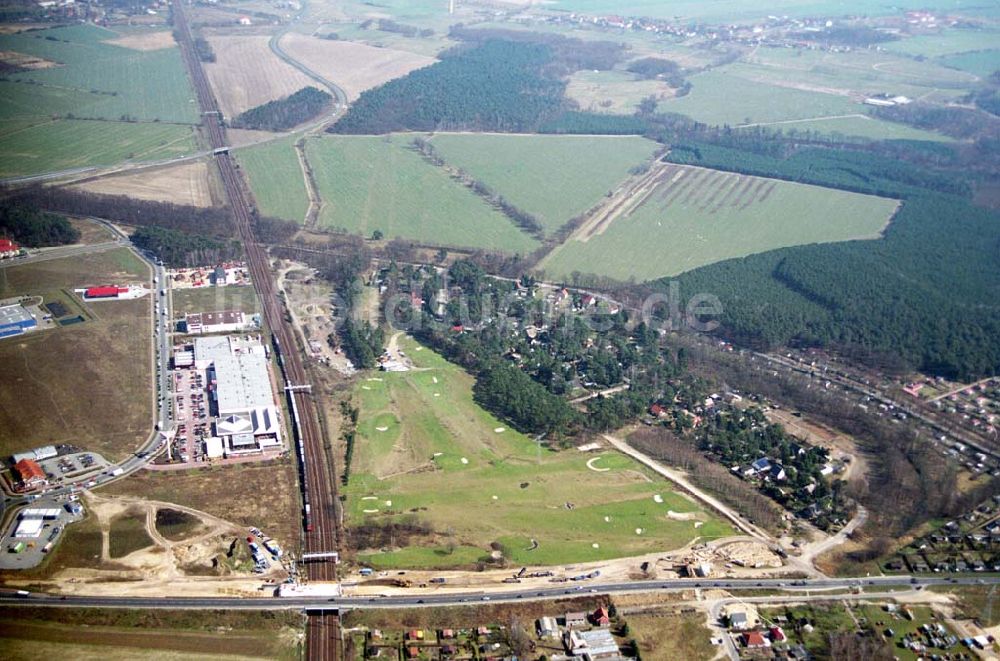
(17, 547)
(118, 471)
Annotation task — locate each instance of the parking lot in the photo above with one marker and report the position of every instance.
(192, 416)
(78, 468)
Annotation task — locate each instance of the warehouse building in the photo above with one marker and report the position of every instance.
(242, 395)
(227, 321)
(38, 454)
(15, 320)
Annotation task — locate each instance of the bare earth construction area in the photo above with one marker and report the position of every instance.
(676, 218)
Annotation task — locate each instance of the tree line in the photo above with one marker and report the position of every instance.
(178, 248)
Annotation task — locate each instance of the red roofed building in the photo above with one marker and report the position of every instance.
(8, 248)
(30, 472)
(600, 617)
(658, 411)
(777, 635)
(105, 292)
(754, 639)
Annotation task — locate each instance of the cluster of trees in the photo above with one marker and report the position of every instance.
(567, 54)
(350, 414)
(494, 86)
(388, 25)
(203, 49)
(673, 450)
(178, 248)
(860, 36)
(285, 113)
(362, 342)
(30, 227)
(510, 393)
(958, 122)
(658, 68)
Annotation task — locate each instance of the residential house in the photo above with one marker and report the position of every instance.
(755, 640)
(576, 620)
(600, 617)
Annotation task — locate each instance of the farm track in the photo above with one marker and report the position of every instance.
(322, 643)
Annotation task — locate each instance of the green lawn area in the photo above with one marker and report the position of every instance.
(980, 63)
(612, 91)
(424, 446)
(145, 85)
(67, 144)
(128, 534)
(955, 40)
(214, 299)
(276, 179)
(372, 183)
(554, 178)
(695, 216)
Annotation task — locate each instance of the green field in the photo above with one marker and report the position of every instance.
(946, 43)
(733, 96)
(980, 63)
(416, 428)
(551, 177)
(276, 179)
(680, 218)
(617, 92)
(41, 109)
(67, 144)
(113, 81)
(379, 183)
(214, 299)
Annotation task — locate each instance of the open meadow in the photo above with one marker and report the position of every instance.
(139, 102)
(213, 299)
(62, 385)
(276, 178)
(677, 218)
(370, 183)
(617, 92)
(552, 177)
(425, 449)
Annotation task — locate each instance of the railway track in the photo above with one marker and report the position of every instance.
(319, 492)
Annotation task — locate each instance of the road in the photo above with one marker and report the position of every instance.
(803, 586)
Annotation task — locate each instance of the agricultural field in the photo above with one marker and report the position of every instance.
(239, 87)
(145, 85)
(354, 67)
(617, 92)
(53, 378)
(980, 63)
(189, 184)
(554, 178)
(947, 42)
(424, 446)
(276, 179)
(677, 218)
(71, 143)
(91, 634)
(711, 101)
(372, 183)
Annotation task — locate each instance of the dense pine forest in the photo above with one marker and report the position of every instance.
(285, 113)
(33, 228)
(926, 296)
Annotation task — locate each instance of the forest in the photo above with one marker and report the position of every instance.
(178, 248)
(285, 113)
(32, 228)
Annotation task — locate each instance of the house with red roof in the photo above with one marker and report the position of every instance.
(755, 640)
(777, 635)
(30, 473)
(8, 248)
(600, 617)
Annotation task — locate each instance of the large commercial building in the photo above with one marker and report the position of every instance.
(242, 394)
(14, 320)
(227, 321)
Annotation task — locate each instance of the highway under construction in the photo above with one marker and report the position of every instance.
(320, 521)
